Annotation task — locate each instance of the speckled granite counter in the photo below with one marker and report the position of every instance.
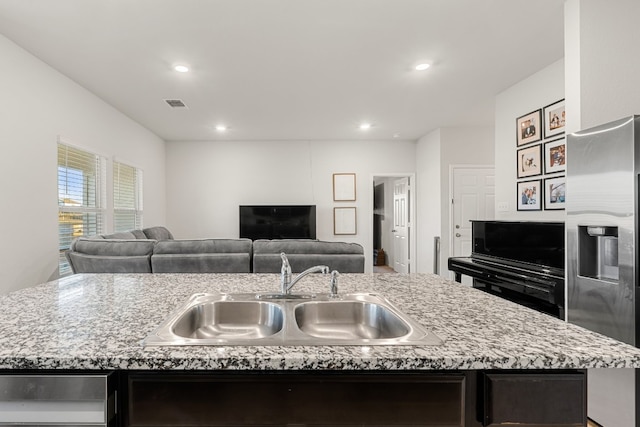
(99, 322)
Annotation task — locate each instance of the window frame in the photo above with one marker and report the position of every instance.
(99, 208)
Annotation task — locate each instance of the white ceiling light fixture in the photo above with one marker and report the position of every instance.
(221, 128)
(181, 68)
(422, 67)
(365, 126)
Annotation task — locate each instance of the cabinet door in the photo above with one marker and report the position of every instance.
(303, 399)
(535, 399)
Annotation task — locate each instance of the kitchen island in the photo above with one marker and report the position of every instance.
(498, 360)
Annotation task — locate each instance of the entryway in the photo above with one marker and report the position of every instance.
(393, 222)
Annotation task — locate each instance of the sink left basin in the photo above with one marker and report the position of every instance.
(229, 319)
(218, 319)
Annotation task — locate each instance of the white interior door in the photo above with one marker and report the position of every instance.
(473, 198)
(401, 225)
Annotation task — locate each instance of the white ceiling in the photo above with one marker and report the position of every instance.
(293, 69)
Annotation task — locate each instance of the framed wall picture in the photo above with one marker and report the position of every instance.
(555, 156)
(554, 192)
(529, 161)
(554, 116)
(529, 128)
(344, 187)
(529, 195)
(344, 220)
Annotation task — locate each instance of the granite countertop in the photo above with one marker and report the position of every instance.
(99, 321)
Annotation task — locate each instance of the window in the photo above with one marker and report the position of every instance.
(127, 197)
(81, 196)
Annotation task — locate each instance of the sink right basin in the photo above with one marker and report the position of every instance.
(349, 320)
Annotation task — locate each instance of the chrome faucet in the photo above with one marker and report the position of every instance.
(285, 274)
(334, 284)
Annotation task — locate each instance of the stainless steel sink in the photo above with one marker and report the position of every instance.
(272, 319)
(229, 319)
(349, 320)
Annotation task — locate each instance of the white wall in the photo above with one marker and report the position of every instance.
(604, 78)
(38, 105)
(429, 198)
(207, 181)
(435, 153)
(541, 89)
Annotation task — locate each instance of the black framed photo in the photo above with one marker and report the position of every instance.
(529, 128)
(529, 161)
(554, 119)
(529, 195)
(554, 193)
(555, 156)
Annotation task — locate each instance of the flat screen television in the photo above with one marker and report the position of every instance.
(278, 222)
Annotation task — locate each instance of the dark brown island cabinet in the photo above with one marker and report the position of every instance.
(295, 398)
(360, 398)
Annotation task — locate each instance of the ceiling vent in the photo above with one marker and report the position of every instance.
(176, 103)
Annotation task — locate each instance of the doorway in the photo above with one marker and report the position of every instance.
(472, 198)
(393, 223)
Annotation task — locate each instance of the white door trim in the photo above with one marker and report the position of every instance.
(452, 168)
(412, 214)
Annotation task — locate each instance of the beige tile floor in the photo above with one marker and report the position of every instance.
(383, 269)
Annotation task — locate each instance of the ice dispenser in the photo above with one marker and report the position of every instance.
(598, 252)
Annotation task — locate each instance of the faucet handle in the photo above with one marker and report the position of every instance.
(334, 283)
(285, 261)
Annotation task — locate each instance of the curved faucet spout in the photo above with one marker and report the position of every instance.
(286, 283)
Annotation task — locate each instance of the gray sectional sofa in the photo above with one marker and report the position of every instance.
(154, 250)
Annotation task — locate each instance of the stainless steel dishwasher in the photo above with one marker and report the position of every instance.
(39, 399)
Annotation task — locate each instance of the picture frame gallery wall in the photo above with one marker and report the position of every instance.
(541, 159)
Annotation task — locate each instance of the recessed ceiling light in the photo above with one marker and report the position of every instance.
(396, 135)
(422, 67)
(365, 126)
(221, 128)
(181, 68)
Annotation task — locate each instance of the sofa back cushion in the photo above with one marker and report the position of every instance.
(157, 233)
(302, 254)
(110, 255)
(202, 256)
(126, 235)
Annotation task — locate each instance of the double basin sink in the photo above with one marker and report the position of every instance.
(274, 319)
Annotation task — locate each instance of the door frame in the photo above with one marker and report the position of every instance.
(413, 220)
(450, 229)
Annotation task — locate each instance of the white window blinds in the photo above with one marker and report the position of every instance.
(127, 197)
(81, 196)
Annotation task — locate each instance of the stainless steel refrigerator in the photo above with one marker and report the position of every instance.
(603, 175)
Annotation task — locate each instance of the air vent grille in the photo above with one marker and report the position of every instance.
(175, 103)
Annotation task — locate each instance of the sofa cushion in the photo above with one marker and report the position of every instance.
(110, 256)
(157, 233)
(305, 247)
(113, 247)
(202, 256)
(203, 246)
(125, 235)
(201, 263)
(303, 254)
(82, 263)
